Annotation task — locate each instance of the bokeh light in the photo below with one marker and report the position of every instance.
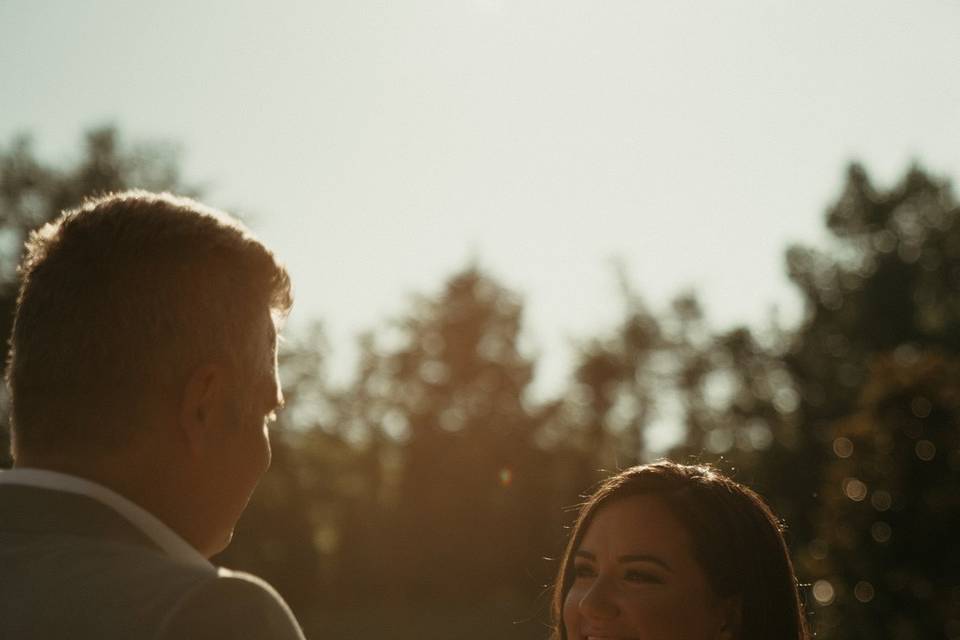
(921, 407)
(864, 591)
(881, 500)
(819, 549)
(843, 447)
(854, 489)
(823, 592)
(925, 450)
(881, 531)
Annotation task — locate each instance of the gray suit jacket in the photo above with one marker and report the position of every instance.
(71, 567)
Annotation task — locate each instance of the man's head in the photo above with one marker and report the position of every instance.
(148, 319)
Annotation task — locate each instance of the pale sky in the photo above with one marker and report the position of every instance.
(381, 146)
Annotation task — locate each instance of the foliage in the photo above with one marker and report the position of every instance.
(859, 404)
(431, 479)
(443, 400)
(616, 384)
(876, 362)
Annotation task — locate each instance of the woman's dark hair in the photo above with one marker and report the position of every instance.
(736, 539)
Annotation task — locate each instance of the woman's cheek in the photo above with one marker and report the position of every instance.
(571, 613)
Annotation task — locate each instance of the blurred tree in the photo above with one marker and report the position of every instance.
(33, 192)
(859, 402)
(448, 383)
(434, 464)
(616, 383)
(886, 553)
(891, 279)
(876, 362)
(741, 409)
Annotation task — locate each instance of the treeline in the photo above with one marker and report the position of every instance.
(432, 482)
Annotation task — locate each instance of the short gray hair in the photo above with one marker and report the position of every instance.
(122, 298)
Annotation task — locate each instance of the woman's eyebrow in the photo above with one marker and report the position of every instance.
(632, 557)
(644, 557)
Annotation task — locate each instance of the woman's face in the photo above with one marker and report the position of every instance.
(636, 578)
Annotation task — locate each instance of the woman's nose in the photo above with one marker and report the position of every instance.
(598, 602)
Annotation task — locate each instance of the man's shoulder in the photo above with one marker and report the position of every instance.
(80, 562)
(60, 585)
(104, 589)
(231, 604)
(73, 567)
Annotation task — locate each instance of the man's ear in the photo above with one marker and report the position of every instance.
(201, 410)
(731, 615)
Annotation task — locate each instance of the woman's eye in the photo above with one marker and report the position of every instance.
(643, 577)
(583, 571)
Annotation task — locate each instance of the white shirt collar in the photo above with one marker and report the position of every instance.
(163, 536)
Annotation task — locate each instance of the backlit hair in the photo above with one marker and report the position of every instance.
(737, 541)
(120, 299)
